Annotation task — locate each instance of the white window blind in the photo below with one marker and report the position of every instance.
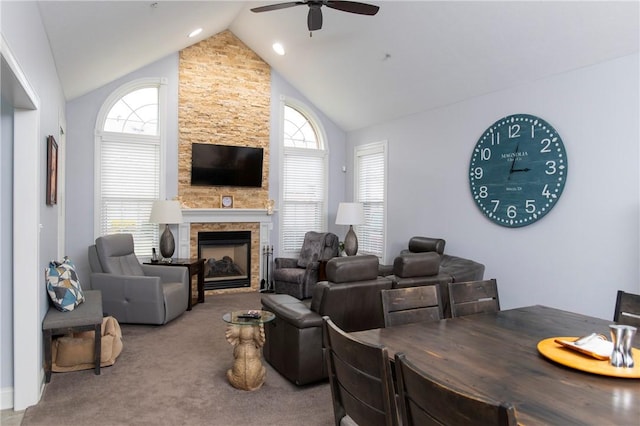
(304, 181)
(128, 172)
(129, 183)
(303, 206)
(370, 190)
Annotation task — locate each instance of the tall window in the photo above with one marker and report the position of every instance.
(304, 180)
(129, 147)
(370, 189)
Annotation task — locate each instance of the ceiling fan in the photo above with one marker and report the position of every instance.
(314, 18)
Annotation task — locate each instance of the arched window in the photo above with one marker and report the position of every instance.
(304, 178)
(135, 113)
(128, 172)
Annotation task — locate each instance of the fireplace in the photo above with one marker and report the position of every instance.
(227, 257)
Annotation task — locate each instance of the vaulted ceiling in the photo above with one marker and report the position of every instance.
(359, 70)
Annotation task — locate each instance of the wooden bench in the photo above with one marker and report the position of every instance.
(85, 317)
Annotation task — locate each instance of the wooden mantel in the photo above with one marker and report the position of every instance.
(225, 215)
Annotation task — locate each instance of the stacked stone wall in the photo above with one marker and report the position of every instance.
(224, 98)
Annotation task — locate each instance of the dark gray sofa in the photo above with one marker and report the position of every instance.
(442, 269)
(351, 298)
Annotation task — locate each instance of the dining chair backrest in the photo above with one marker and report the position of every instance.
(424, 401)
(627, 309)
(360, 378)
(473, 297)
(411, 304)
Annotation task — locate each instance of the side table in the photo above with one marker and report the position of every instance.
(247, 337)
(196, 267)
(322, 270)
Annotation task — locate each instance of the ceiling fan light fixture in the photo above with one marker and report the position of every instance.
(278, 48)
(314, 18)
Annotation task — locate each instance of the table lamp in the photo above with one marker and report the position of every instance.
(167, 212)
(350, 214)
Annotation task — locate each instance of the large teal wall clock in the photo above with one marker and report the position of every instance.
(518, 170)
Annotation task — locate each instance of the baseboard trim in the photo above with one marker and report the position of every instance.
(6, 398)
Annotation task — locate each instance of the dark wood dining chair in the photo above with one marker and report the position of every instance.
(360, 379)
(627, 309)
(422, 400)
(473, 297)
(411, 304)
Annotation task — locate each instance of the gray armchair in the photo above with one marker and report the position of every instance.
(132, 292)
(298, 277)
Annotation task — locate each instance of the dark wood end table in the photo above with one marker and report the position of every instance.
(196, 267)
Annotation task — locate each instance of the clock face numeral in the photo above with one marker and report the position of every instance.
(518, 170)
(514, 131)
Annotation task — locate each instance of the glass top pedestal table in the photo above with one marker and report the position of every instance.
(245, 331)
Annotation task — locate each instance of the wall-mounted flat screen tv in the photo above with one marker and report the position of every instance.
(224, 165)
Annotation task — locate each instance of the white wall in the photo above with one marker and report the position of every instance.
(580, 253)
(29, 46)
(6, 253)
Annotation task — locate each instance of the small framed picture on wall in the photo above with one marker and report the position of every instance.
(52, 171)
(226, 201)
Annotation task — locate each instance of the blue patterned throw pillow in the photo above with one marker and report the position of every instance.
(63, 285)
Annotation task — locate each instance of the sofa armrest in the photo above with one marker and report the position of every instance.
(111, 284)
(291, 310)
(167, 274)
(462, 269)
(313, 266)
(285, 262)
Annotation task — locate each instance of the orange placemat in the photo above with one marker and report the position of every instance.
(570, 358)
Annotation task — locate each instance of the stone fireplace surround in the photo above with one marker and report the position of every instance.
(237, 219)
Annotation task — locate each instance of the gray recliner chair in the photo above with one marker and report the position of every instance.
(132, 292)
(298, 277)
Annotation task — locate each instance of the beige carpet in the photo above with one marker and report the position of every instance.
(176, 375)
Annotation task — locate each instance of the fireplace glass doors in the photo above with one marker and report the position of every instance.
(227, 259)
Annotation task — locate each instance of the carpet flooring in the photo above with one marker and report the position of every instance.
(176, 375)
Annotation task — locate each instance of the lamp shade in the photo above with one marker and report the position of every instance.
(166, 211)
(350, 214)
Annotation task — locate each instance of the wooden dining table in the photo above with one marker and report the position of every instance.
(495, 355)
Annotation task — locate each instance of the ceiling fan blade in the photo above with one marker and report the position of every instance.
(277, 6)
(314, 18)
(353, 7)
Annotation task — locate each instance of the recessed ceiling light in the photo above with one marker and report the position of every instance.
(278, 48)
(195, 32)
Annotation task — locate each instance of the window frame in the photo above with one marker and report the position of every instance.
(358, 152)
(100, 135)
(322, 151)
